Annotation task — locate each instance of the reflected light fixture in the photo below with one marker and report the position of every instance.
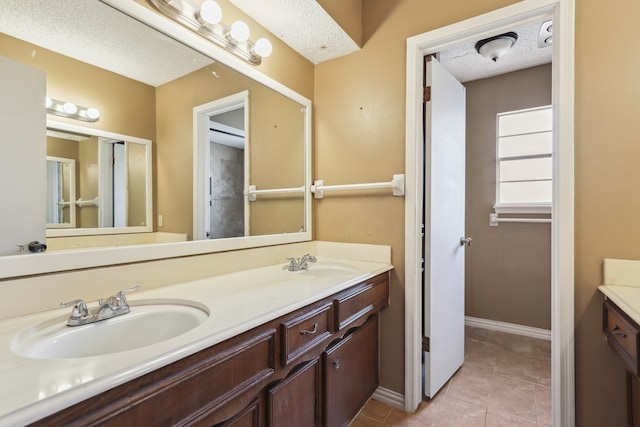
(494, 47)
(71, 110)
(206, 20)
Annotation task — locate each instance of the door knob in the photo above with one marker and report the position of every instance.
(465, 241)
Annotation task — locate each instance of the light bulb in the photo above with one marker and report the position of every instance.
(70, 108)
(240, 31)
(93, 113)
(210, 12)
(48, 102)
(263, 47)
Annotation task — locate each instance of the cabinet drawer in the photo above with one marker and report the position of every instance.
(622, 334)
(304, 331)
(361, 300)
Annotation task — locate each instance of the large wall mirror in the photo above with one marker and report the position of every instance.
(182, 182)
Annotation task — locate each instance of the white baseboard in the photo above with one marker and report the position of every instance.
(389, 397)
(511, 328)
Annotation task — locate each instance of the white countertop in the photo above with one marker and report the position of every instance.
(237, 302)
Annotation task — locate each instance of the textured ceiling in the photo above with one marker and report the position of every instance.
(303, 25)
(93, 32)
(466, 64)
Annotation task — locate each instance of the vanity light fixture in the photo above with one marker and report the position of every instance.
(206, 20)
(494, 47)
(71, 110)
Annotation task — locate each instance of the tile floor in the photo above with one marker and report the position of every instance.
(505, 381)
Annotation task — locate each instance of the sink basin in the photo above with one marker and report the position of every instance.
(149, 322)
(327, 269)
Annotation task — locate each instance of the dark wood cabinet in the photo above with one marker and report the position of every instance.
(622, 334)
(350, 373)
(315, 366)
(295, 400)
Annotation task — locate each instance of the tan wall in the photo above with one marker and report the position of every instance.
(508, 268)
(606, 207)
(137, 183)
(360, 135)
(88, 175)
(348, 14)
(59, 147)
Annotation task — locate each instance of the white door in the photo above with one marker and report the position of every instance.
(444, 197)
(24, 156)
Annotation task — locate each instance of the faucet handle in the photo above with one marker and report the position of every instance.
(120, 296)
(79, 308)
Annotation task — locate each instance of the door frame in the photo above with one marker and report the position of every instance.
(201, 157)
(562, 227)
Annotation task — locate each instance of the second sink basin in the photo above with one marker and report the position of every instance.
(149, 322)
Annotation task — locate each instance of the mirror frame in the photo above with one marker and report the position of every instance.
(57, 261)
(71, 232)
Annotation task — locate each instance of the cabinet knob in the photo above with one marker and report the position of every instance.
(336, 363)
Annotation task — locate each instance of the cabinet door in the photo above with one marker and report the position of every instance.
(633, 392)
(24, 156)
(294, 401)
(350, 374)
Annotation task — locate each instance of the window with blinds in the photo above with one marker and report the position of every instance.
(524, 167)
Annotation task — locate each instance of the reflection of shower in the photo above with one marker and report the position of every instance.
(226, 179)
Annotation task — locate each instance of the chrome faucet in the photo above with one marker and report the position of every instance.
(301, 263)
(113, 306)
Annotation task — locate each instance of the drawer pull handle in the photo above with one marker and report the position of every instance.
(616, 331)
(305, 332)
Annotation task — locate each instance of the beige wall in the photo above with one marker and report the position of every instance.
(606, 207)
(508, 268)
(88, 175)
(348, 14)
(360, 136)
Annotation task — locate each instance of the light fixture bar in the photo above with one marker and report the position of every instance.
(71, 110)
(195, 19)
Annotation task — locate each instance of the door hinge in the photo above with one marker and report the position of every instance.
(425, 344)
(427, 94)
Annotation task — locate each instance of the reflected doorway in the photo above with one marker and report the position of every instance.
(221, 165)
(226, 174)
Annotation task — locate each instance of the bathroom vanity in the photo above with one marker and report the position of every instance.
(278, 348)
(621, 324)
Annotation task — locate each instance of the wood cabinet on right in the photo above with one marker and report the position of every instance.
(350, 373)
(623, 336)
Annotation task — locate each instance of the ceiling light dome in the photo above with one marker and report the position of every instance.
(494, 47)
